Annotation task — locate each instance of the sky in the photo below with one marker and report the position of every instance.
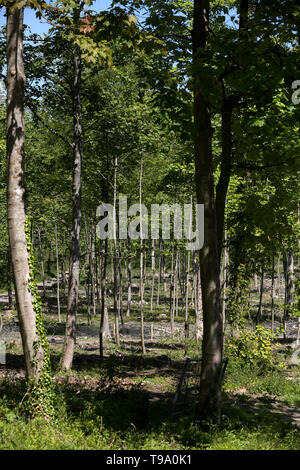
(40, 26)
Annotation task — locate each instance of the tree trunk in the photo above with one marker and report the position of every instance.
(74, 267)
(42, 262)
(290, 283)
(92, 268)
(261, 290)
(142, 270)
(115, 262)
(128, 277)
(272, 294)
(57, 274)
(198, 305)
(15, 135)
(229, 103)
(104, 324)
(212, 346)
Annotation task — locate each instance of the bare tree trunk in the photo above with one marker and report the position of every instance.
(152, 289)
(225, 281)
(164, 267)
(159, 274)
(128, 277)
(104, 324)
(259, 310)
(172, 287)
(42, 262)
(212, 345)
(92, 268)
(198, 306)
(142, 283)
(63, 266)
(176, 283)
(272, 294)
(74, 268)
(120, 278)
(290, 283)
(15, 134)
(186, 320)
(278, 279)
(57, 274)
(115, 262)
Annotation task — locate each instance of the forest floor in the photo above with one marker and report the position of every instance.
(131, 393)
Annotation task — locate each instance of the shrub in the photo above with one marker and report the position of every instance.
(253, 347)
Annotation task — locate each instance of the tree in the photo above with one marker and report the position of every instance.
(33, 335)
(212, 346)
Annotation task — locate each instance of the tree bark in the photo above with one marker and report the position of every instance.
(9, 281)
(272, 295)
(74, 268)
(261, 290)
(289, 283)
(15, 136)
(104, 324)
(212, 346)
(57, 274)
(142, 270)
(128, 277)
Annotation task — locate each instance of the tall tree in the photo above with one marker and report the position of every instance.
(212, 346)
(33, 335)
(74, 267)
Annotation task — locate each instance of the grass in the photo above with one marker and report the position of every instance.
(110, 406)
(124, 419)
(124, 402)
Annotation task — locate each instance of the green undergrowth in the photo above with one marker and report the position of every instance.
(115, 416)
(124, 402)
(127, 420)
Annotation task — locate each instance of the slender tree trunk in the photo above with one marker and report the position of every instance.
(74, 268)
(128, 277)
(272, 294)
(172, 295)
(290, 282)
(176, 282)
(57, 274)
(63, 266)
(261, 290)
(212, 345)
(104, 324)
(42, 262)
(92, 268)
(187, 284)
(229, 103)
(164, 267)
(142, 271)
(186, 319)
(115, 262)
(278, 280)
(49, 259)
(120, 279)
(198, 306)
(152, 290)
(225, 281)
(159, 274)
